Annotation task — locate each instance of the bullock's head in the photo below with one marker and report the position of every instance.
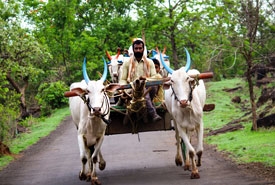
(97, 99)
(114, 65)
(181, 83)
(182, 86)
(93, 92)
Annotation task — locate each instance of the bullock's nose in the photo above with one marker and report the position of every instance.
(183, 103)
(115, 74)
(97, 110)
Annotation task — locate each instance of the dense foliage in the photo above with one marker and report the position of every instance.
(44, 42)
(51, 96)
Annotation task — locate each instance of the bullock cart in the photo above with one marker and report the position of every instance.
(136, 125)
(124, 121)
(90, 107)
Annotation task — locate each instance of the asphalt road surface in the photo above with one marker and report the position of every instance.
(55, 161)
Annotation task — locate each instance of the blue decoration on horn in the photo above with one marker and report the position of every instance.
(168, 69)
(84, 71)
(188, 60)
(187, 66)
(104, 75)
(154, 52)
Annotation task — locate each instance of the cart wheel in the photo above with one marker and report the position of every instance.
(183, 149)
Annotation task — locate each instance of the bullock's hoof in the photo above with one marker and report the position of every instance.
(195, 175)
(178, 162)
(82, 176)
(186, 167)
(102, 165)
(95, 182)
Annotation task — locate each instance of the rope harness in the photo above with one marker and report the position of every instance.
(137, 106)
(190, 96)
(106, 111)
(138, 102)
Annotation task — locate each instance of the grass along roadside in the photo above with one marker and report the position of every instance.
(38, 129)
(243, 146)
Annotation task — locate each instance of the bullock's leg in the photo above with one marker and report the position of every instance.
(178, 158)
(95, 180)
(83, 157)
(179, 147)
(199, 150)
(189, 147)
(102, 162)
(187, 165)
(89, 153)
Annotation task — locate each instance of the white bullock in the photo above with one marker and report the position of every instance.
(185, 100)
(114, 65)
(90, 110)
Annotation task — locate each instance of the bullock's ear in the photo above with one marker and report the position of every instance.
(193, 82)
(75, 92)
(167, 85)
(112, 87)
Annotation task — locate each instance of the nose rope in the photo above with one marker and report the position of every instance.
(106, 111)
(190, 96)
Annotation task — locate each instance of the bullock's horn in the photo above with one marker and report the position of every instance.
(164, 50)
(168, 69)
(84, 71)
(104, 75)
(118, 53)
(108, 55)
(188, 60)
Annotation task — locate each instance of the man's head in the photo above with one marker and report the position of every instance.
(157, 64)
(138, 48)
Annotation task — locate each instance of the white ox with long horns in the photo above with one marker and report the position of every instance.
(90, 110)
(114, 65)
(185, 99)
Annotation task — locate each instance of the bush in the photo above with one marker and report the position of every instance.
(51, 96)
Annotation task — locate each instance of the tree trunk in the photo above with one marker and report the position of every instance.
(173, 40)
(251, 13)
(20, 90)
(251, 94)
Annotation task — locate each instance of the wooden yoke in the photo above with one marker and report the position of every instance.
(77, 92)
(203, 75)
(162, 81)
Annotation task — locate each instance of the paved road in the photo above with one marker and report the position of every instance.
(55, 161)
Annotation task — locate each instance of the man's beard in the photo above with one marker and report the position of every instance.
(138, 54)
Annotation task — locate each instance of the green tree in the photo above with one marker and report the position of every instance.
(21, 58)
